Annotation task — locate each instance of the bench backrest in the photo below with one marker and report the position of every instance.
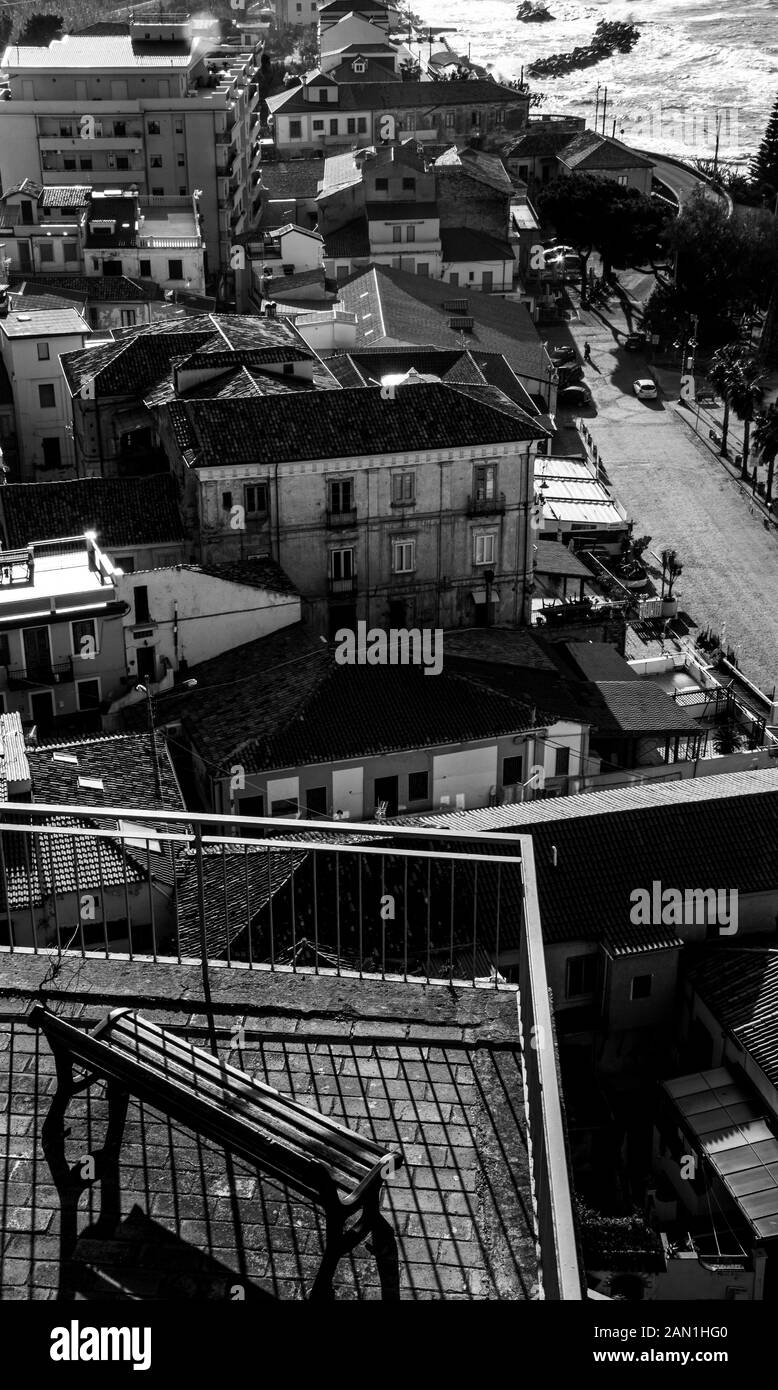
(310, 1151)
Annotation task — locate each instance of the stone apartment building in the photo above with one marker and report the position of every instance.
(33, 336)
(146, 107)
(396, 505)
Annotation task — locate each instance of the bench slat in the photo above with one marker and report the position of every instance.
(200, 1063)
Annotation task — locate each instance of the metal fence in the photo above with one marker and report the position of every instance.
(410, 903)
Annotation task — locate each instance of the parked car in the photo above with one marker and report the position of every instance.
(574, 395)
(559, 355)
(558, 253)
(635, 342)
(645, 389)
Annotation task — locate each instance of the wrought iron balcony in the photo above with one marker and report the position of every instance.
(342, 518)
(486, 506)
(342, 586)
(40, 673)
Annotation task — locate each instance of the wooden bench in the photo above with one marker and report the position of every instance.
(314, 1155)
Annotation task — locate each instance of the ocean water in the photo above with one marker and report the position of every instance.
(694, 62)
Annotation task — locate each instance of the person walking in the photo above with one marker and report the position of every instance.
(587, 352)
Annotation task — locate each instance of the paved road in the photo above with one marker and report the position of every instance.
(680, 494)
(683, 182)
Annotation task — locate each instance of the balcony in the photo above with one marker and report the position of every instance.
(486, 506)
(342, 586)
(336, 519)
(45, 673)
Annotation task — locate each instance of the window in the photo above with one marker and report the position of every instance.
(68, 163)
(295, 130)
(255, 499)
(341, 495)
(46, 397)
(251, 806)
(342, 564)
(334, 127)
(641, 987)
(484, 545)
(422, 268)
(453, 278)
(382, 185)
(499, 117)
(450, 118)
(409, 185)
(178, 125)
(125, 563)
(318, 125)
(5, 652)
(361, 125)
(359, 65)
(474, 119)
(404, 557)
(120, 129)
(158, 192)
(562, 762)
(484, 480)
(418, 786)
(397, 233)
(85, 164)
(43, 352)
(323, 96)
(513, 771)
(287, 807)
(180, 160)
(122, 161)
(153, 127)
(52, 454)
(88, 694)
(316, 801)
(622, 179)
(144, 270)
(410, 233)
(175, 270)
(227, 501)
(71, 252)
(83, 637)
(351, 126)
(46, 251)
(140, 596)
(287, 369)
(129, 318)
(581, 976)
(403, 488)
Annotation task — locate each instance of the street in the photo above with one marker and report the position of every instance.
(678, 492)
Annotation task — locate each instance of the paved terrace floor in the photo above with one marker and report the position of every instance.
(434, 1071)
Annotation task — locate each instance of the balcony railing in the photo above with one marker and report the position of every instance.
(40, 673)
(408, 904)
(342, 586)
(486, 506)
(347, 517)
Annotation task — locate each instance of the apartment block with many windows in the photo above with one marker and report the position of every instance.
(157, 108)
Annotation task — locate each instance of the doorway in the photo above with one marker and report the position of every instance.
(387, 789)
(42, 709)
(37, 654)
(147, 663)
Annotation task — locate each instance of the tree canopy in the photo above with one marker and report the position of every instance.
(592, 212)
(764, 165)
(40, 29)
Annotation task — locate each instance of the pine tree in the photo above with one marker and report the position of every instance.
(764, 165)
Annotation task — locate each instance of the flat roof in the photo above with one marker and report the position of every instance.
(44, 323)
(85, 51)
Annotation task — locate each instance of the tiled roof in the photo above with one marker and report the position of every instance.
(639, 706)
(311, 424)
(378, 69)
(592, 851)
(135, 364)
(517, 647)
(124, 764)
(65, 195)
(597, 661)
(485, 168)
(22, 303)
(292, 178)
(591, 151)
(637, 940)
(464, 244)
(349, 241)
(740, 987)
(258, 573)
(238, 885)
(537, 141)
(123, 511)
(51, 323)
(413, 309)
(405, 96)
(94, 288)
(292, 705)
(87, 51)
(553, 558)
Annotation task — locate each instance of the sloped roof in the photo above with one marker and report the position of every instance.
(464, 244)
(256, 572)
(407, 309)
(122, 511)
(85, 288)
(292, 178)
(719, 831)
(313, 424)
(292, 704)
(238, 884)
(740, 987)
(641, 707)
(596, 661)
(484, 168)
(591, 151)
(349, 241)
(65, 195)
(405, 96)
(538, 140)
(553, 558)
(124, 764)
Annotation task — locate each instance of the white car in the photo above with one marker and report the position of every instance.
(645, 389)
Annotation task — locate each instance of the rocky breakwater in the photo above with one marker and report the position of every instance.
(609, 37)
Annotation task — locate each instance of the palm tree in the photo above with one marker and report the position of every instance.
(745, 396)
(720, 375)
(766, 443)
(671, 570)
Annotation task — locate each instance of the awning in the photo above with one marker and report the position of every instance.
(479, 596)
